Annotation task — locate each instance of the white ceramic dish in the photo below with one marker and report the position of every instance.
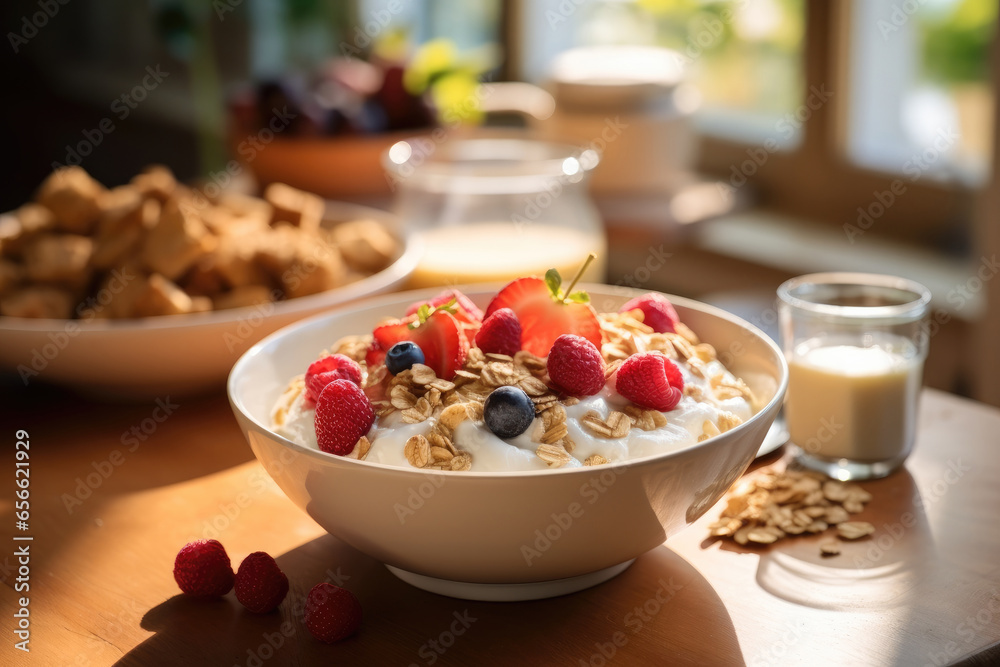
(177, 354)
(502, 536)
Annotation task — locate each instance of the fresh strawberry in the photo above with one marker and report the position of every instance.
(324, 371)
(260, 584)
(465, 311)
(385, 336)
(332, 613)
(500, 333)
(435, 330)
(343, 415)
(575, 366)
(650, 380)
(657, 311)
(547, 312)
(202, 569)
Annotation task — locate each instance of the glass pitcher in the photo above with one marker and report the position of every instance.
(491, 209)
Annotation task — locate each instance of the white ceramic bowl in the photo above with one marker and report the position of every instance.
(176, 354)
(503, 536)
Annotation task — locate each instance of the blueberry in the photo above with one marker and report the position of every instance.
(508, 412)
(402, 356)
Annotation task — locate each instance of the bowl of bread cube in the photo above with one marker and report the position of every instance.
(155, 288)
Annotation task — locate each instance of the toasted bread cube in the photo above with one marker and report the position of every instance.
(59, 258)
(46, 302)
(162, 297)
(277, 250)
(234, 260)
(119, 247)
(246, 207)
(203, 279)
(301, 263)
(35, 219)
(176, 241)
(121, 208)
(120, 290)
(241, 297)
(224, 222)
(17, 229)
(10, 234)
(10, 276)
(201, 304)
(294, 207)
(114, 249)
(218, 220)
(73, 196)
(367, 246)
(317, 268)
(156, 182)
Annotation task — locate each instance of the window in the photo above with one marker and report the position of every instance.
(920, 99)
(744, 56)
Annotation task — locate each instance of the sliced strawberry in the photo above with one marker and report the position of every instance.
(375, 354)
(440, 336)
(443, 342)
(465, 311)
(385, 336)
(545, 314)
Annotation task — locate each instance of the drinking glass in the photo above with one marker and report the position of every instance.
(855, 345)
(496, 208)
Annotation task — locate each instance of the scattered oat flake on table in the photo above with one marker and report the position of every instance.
(853, 530)
(830, 547)
(770, 506)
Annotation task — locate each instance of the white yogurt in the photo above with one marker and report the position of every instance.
(491, 454)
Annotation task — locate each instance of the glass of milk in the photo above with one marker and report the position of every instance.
(855, 345)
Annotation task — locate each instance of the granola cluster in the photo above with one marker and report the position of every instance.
(419, 395)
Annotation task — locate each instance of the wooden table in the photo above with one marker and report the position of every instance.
(110, 509)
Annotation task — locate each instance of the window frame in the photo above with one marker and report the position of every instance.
(817, 179)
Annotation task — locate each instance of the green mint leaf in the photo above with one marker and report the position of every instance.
(553, 280)
(450, 307)
(579, 296)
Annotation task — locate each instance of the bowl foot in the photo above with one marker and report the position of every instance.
(509, 592)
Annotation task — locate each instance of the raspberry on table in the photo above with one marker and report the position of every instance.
(260, 584)
(202, 569)
(332, 613)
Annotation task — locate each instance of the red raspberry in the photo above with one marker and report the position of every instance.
(576, 366)
(260, 584)
(500, 333)
(202, 569)
(332, 613)
(343, 415)
(324, 371)
(650, 380)
(657, 311)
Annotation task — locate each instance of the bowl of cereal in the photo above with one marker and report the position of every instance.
(445, 483)
(154, 288)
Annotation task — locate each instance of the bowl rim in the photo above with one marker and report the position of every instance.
(403, 298)
(335, 212)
